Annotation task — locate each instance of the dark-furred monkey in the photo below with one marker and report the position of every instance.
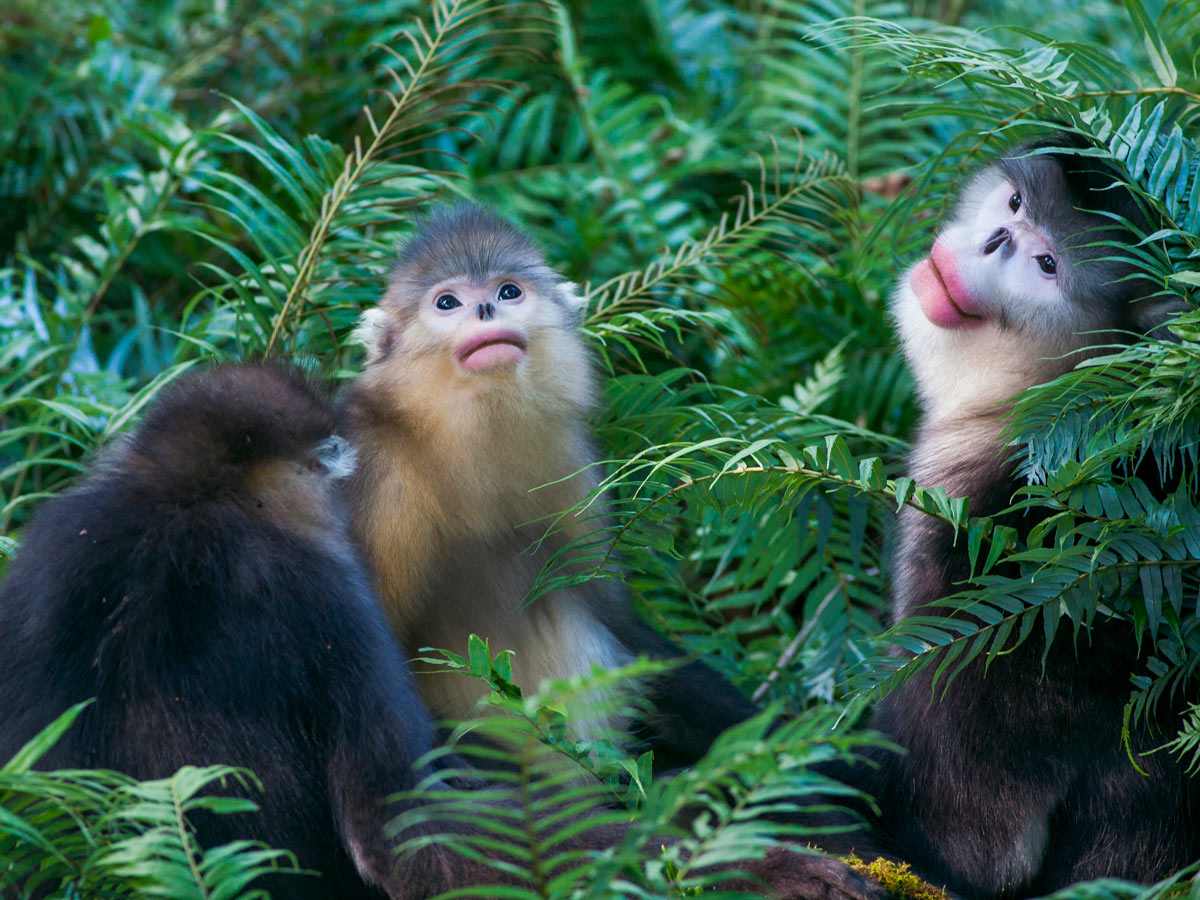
(475, 393)
(201, 586)
(1015, 781)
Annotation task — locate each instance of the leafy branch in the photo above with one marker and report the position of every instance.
(810, 192)
(770, 461)
(430, 94)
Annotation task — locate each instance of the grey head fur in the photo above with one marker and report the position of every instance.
(467, 239)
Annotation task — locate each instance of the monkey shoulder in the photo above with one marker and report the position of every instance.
(113, 597)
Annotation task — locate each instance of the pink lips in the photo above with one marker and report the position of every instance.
(944, 298)
(487, 349)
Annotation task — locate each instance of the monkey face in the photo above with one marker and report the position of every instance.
(968, 313)
(484, 324)
(993, 262)
(1016, 283)
(478, 332)
(474, 323)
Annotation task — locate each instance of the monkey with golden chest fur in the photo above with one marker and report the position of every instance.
(475, 393)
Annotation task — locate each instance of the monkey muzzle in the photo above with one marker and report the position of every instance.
(942, 293)
(489, 348)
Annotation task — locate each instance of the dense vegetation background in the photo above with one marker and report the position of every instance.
(737, 185)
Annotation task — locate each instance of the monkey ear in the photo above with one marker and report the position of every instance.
(576, 302)
(1152, 315)
(373, 333)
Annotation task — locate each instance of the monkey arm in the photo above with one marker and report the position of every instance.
(690, 704)
(805, 876)
(380, 730)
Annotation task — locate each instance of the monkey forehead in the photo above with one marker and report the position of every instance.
(1075, 195)
(971, 198)
(471, 242)
(1045, 195)
(410, 286)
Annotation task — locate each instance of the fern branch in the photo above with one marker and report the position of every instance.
(185, 840)
(832, 465)
(754, 212)
(955, 640)
(453, 21)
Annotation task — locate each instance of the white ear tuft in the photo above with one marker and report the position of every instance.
(369, 332)
(576, 302)
(337, 456)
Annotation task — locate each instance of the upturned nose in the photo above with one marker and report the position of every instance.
(996, 240)
(486, 311)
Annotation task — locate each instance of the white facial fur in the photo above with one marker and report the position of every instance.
(1004, 260)
(369, 332)
(335, 458)
(1021, 321)
(506, 313)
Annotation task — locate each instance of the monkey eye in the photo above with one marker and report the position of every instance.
(508, 291)
(1047, 264)
(447, 302)
(1014, 202)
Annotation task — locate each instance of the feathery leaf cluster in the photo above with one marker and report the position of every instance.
(737, 185)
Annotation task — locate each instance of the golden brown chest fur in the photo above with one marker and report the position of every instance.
(447, 501)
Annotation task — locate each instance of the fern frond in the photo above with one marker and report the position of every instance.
(764, 214)
(435, 89)
(1186, 744)
(101, 834)
(161, 857)
(757, 768)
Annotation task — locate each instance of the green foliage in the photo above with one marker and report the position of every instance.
(101, 834)
(1187, 742)
(546, 717)
(202, 180)
(761, 767)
